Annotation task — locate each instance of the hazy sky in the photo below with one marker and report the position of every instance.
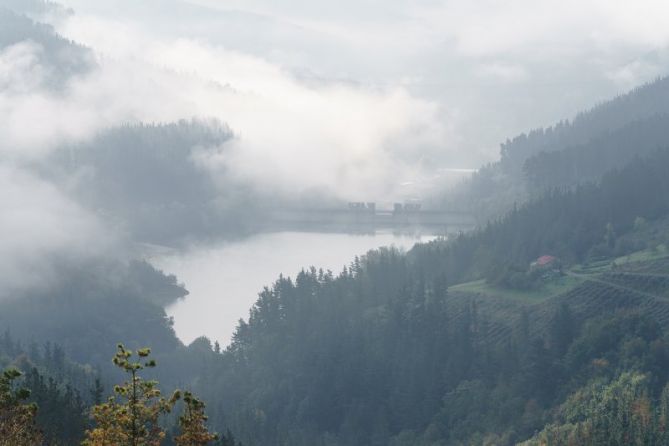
(489, 68)
(368, 98)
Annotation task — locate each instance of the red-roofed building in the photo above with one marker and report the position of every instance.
(545, 261)
(549, 266)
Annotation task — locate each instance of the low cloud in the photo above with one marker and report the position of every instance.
(298, 131)
(292, 135)
(503, 72)
(20, 69)
(42, 228)
(545, 61)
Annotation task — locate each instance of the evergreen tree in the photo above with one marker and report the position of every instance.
(194, 431)
(130, 417)
(17, 419)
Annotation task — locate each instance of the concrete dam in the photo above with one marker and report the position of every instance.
(366, 217)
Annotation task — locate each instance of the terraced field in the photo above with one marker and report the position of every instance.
(641, 285)
(653, 266)
(555, 287)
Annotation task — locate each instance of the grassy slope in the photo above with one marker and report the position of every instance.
(588, 290)
(555, 287)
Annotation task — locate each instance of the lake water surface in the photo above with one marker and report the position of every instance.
(224, 279)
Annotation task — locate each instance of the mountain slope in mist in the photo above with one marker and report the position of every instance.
(395, 350)
(470, 340)
(570, 153)
(25, 41)
(95, 304)
(154, 182)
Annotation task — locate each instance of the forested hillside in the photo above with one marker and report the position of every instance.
(154, 181)
(589, 161)
(388, 353)
(573, 224)
(62, 390)
(570, 152)
(548, 324)
(93, 306)
(639, 104)
(56, 58)
(458, 341)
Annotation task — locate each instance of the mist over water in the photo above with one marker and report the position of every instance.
(171, 169)
(224, 279)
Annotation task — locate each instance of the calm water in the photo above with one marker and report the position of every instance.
(224, 280)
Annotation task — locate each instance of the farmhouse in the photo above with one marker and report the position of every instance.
(547, 267)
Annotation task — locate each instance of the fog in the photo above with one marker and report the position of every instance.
(354, 101)
(348, 99)
(474, 60)
(358, 222)
(224, 279)
(43, 228)
(280, 124)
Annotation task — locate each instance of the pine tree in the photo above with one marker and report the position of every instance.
(17, 420)
(130, 417)
(194, 431)
(227, 439)
(97, 391)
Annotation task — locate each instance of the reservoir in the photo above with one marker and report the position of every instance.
(224, 279)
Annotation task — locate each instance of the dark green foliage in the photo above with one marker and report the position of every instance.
(55, 385)
(49, 362)
(382, 355)
(62, 413)
(573, 225)
(228, 439)
(88, 311)
(590, 161)
(514, 277)
(624, 411)
(643, 103)
(193, 423)
(154, 285)
(17, 419)
(97, 391)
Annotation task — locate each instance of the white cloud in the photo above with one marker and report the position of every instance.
(467, 61)
(291, 136)
(475, 59)
(493, 27)
(20, 68)
(627, 75)
(477, 72)
(503, 71)
(38, 225)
